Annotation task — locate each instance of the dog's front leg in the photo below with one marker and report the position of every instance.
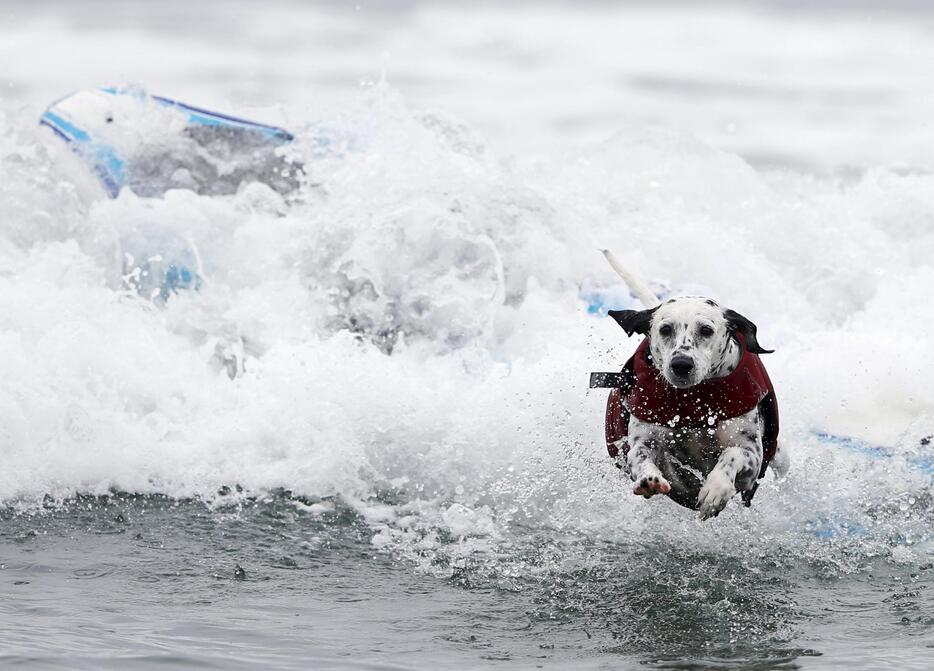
(738, 465)
(644, 440)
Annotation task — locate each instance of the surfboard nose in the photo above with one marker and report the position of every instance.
(151, 144)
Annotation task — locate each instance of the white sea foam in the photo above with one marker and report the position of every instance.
(411, 327)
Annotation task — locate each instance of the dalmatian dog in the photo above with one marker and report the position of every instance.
(696, 351)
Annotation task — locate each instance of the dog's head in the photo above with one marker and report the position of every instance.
(688, 336)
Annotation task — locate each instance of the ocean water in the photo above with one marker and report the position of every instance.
(367, 440)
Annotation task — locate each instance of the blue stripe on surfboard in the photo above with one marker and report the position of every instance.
(829, 526)
(49, 124)
(112, 175)
(108, 166)
(923, 463)
(207, 117)
(832, 526)
(65, 127)
(601, 300)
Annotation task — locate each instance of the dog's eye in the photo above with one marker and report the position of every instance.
(665, 330)
(705, 331)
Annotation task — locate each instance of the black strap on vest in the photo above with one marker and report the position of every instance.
(608, 380)
(623, 380)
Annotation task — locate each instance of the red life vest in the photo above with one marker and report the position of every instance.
(647, 395)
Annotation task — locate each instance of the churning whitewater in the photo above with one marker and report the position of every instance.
(401, 346)
(416, 318)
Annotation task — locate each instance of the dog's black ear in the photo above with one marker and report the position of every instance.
(738, 322)
(634, 321)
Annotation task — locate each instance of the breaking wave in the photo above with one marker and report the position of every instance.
(408, 334)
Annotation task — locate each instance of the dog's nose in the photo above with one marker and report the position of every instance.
(682, 365)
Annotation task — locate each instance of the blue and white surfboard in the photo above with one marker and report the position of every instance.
(151, 144)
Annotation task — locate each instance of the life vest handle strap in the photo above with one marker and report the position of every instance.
(608, 380)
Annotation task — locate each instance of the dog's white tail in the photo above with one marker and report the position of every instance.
(636, 284)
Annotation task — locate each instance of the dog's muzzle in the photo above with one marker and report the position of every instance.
(682, 366)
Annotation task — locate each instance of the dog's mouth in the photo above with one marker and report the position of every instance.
(681, 381)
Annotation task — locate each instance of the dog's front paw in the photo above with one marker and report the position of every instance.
(650, 484)
(717, 491)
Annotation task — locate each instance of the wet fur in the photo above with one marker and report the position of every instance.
(697, 468)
